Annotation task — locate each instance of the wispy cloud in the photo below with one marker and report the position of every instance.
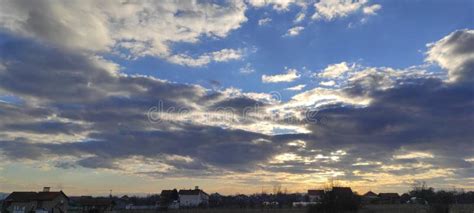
(289, 76)
(296, 88)
(264, 21)
(372, 9)
(334, 70)
(247, 69)
(217, 56)
(300, 17)
(294, 31)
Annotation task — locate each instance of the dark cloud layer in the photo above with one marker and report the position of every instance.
(78, 94)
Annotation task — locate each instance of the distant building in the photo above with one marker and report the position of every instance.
(45, 202)
(315, 195)
(89, 204)
(169, 199)
(370, 194)
(389, 198)
(369, 197)
(193, 198)
(341, 194)
(342, 190)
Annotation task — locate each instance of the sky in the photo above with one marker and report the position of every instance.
(236, 96)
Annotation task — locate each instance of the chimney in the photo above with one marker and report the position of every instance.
(196, 187)
(46, 189)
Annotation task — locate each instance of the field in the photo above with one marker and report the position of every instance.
(236, 210)
(366, 209)
(395, 209)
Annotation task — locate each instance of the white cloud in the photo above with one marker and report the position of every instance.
(280, 5)
(334, 70)
(372, 10)
(455, 53)
(296, 88)
(143, 28)
(217, 56)
(332, 9)
(264, 21)
(299, 17)
(289, 76)
(319, 97)
(186, 60)
(247, 69)
(327, 83)
(226, 55)
(294, 31)
(413, 155)
(379, 78)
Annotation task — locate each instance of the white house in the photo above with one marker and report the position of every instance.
(193, 198)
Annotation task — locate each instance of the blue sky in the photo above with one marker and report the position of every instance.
(395, 37)
(235, 96)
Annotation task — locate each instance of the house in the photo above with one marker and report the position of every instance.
(370, 194)
(315, 195)
(193, 198)
(389, 198)
(44, 202)
(169, 199)
(341, 195)
(342, 191)
(89, 204)
(369, 197)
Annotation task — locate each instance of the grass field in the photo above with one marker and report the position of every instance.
(236, 210)
(366, 209)
(293, 210)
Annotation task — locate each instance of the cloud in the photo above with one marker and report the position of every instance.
(226, 55)
(217, 56)
(296, 88)
(135, 29)
(280, 5)
(294, 31)
(98, 107)
(454, 53)
(289, 76)
(264, 21)
(247, 69)
(327, 83)
(371, 10)
(334, 70)
(332, 9)
(299, 17)
(380, 126)
(345, 74)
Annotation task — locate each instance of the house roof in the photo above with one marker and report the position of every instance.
(191, 192)
(342, 190)
(370, 194)
(33, 196)
(21, 196)
(49, 195)
(315, 192)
